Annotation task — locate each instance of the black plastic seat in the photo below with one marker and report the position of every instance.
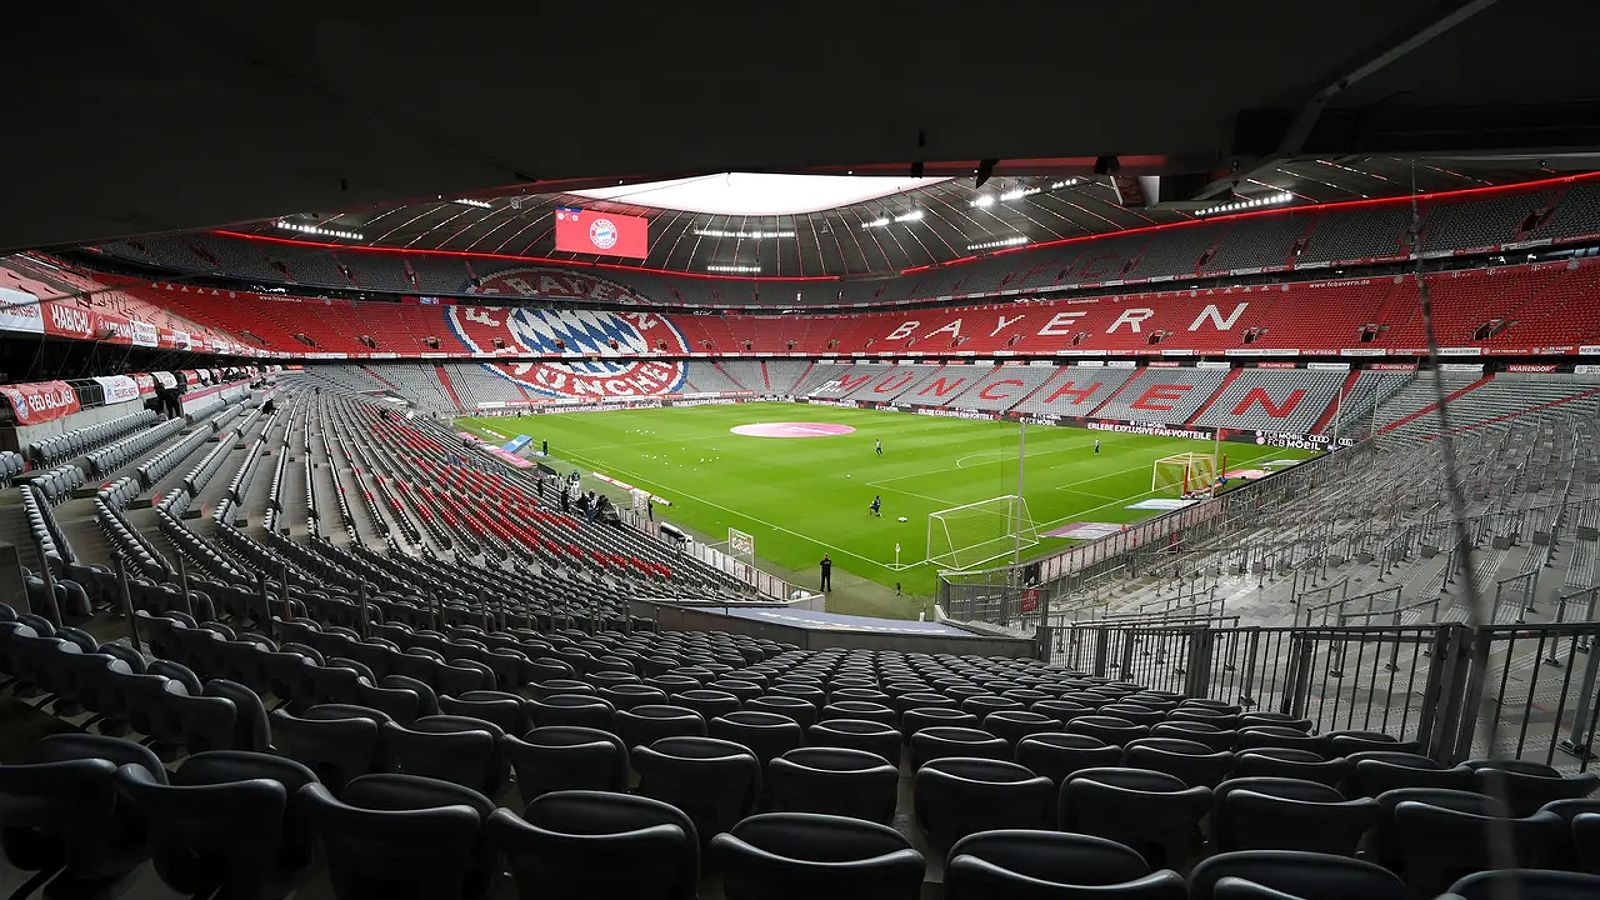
(1348, 741)
(1277, 762)
(630, 695)
(1044, 865)
(222, 824)
(798, 856)
(1440, 845)
(709, 703)
(1199, 732)
(579, 710)
(1012, 725)
(835, 781)
(1133, 712)
(715, 782)
(857, 734)
(337, 750)
(863, 710)
(1275, 720)
(552, 686)
(574, 845)
(917, 718)
(566, 757)
(1528, 789)
(1281, 737)
(1056, 756)
(768, 735)
(1383, 845)
(1288, 814)
(958, 796)
(644, 725)
(1373, 773)
(1526, 884)
(1295, 874)
(803, 712)
(1152, 812)
(941, 742)
(504, 710)
(1111, 729)
(59, 811)
(1194, 763)
(401, 836)
(466, 756)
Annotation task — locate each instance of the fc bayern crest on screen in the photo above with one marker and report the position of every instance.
(603, 234)
(611, 340)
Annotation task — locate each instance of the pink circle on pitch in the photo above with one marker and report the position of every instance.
(791, 429)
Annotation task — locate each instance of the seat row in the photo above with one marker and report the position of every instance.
(86, 810)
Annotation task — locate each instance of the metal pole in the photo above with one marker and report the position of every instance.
(183, 587)
(266, 605)
(51, 610)
(1022, 454)
(1338, 413)
(283, 570)
(361, 610)
(127, 602)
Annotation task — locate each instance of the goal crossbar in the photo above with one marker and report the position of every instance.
(1187, 472)
(972, 534)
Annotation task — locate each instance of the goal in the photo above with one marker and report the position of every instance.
(962, 537)
(1184, 473)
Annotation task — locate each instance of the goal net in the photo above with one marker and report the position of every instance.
(1184, 473)
(962, 537)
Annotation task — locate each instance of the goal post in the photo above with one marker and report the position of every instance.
(969, 535)
(1184, 473)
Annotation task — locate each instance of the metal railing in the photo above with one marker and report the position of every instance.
(1433, 683)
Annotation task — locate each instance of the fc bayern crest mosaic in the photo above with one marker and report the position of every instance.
(611, 340)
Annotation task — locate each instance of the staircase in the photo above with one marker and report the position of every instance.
(1338, 402)
(1226, 380)
(14, 529)
(449, 389)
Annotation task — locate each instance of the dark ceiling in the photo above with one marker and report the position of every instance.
(133, 119)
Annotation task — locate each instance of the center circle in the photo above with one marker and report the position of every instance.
(791, 429)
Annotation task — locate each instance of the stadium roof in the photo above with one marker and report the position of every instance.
(148, 118)
(935, 220)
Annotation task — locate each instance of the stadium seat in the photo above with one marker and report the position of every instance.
(834, 781)
(401, 836)
(1296, 874)
(1057, 756)
(767, 735)
(1012, 725)
(1527, 788)
(1018, 863)
(642, 726)
(803, 855)
(957, 796)
(1288, 814)
(715, 782)
(222, 824)
(857, 734)
(1193, 763)
(1532, 884)
(565, 757)
(1152, 812)
(1438, 844)
(568, 844)
(60, 812)
(337, 750)
(940, 742)
(1275, 762)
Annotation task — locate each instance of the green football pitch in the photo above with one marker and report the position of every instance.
(803, 497)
